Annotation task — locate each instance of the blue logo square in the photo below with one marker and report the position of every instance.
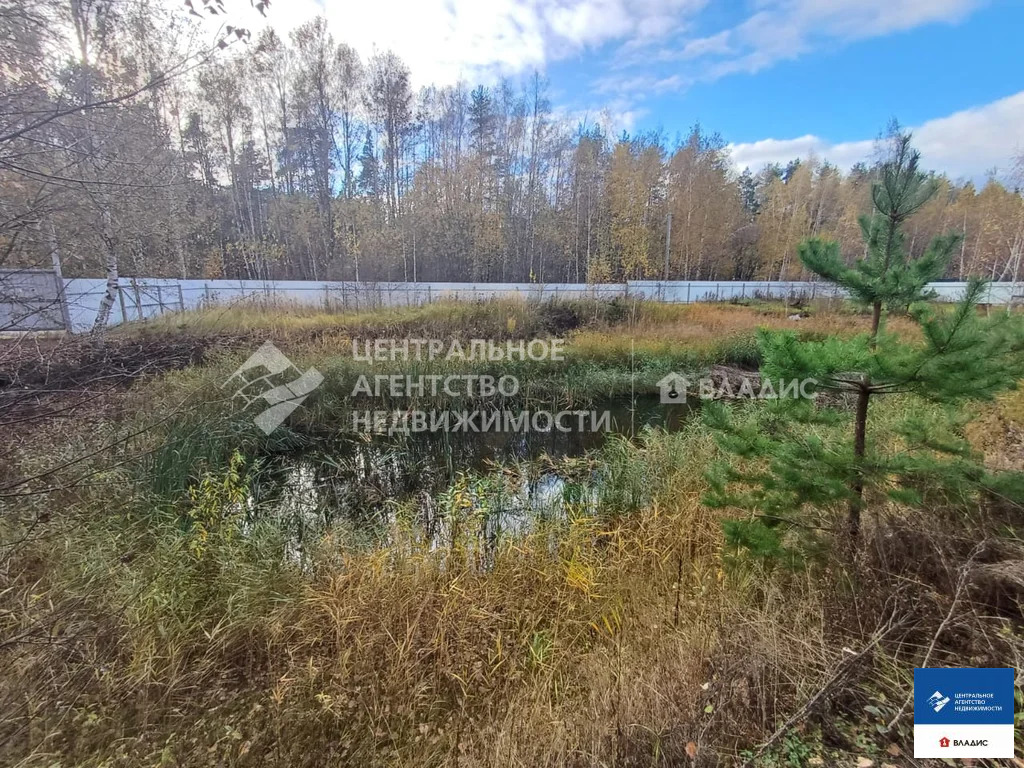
(963, 696)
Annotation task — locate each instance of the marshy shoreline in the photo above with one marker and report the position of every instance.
(179, 588)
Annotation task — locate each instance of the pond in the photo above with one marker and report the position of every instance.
(502, 482)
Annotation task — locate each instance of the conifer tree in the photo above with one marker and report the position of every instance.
(794, 457)
(368, 181)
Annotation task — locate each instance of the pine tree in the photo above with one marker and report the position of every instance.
(368, 181)
(796, 456)
(748, 192)
(481, 121)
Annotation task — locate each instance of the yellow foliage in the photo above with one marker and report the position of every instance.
(217, 506)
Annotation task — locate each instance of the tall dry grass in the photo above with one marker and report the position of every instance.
(567, 648)
(613, 640)
(629, 638)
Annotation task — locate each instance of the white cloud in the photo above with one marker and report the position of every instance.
(758, 154)
(717, 44)
(853, 19)
(785, 29)
(966, 144)
(639, 86)
(973, 141)
(614, 118)
(445, 40)
(781, 30)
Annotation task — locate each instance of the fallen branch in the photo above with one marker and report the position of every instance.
(841, 671)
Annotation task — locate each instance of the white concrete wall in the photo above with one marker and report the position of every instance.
(30, 301)
(84, 294)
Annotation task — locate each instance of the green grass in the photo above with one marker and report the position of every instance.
(149, 617)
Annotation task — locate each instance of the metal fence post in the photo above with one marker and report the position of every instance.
(62, 297)
(120, 298)
(138, 298)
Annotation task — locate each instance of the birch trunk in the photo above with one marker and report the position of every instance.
(110, 296)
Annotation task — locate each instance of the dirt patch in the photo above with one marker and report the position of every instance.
(82, 363)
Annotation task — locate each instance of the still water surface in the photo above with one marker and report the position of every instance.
(500, 482)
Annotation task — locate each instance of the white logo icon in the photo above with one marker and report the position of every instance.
(938, 701)
(281, 398)
(673, 388)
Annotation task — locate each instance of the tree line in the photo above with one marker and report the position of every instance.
(124, 151)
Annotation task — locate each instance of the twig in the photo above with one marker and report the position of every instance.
(965, 570)
(804, 710)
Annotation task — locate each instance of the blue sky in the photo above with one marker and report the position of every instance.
(834, 91)
(777, 78)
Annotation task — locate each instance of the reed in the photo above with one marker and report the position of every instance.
(150, 616)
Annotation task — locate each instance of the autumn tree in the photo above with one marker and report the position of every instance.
(389, 98)
(294, 158)
(314, 95)
(706, 205)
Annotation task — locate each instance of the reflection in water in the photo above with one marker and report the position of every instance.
(491, 486)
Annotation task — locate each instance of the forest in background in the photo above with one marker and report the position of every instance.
(126, 148)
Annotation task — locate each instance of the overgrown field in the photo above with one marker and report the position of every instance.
(158, 608)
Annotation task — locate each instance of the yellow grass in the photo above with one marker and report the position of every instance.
(622, 640)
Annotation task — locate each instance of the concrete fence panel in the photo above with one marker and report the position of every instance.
(30, 301)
